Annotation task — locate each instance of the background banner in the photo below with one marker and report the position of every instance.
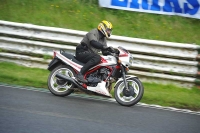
(185, 8)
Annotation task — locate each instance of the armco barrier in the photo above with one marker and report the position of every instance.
(157, 61)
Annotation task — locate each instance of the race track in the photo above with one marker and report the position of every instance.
(25, 110)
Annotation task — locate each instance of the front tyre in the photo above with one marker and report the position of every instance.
(60, 87)
(131, 97)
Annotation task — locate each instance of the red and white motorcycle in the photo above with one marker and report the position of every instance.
(113, 69)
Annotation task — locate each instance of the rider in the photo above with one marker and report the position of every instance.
(92, 43)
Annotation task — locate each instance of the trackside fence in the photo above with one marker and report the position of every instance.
(154, 61)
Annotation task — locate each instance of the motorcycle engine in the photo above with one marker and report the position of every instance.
(97, 76)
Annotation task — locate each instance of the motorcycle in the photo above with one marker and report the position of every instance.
(113, 69)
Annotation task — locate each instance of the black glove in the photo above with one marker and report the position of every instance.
(108, 50)
(111, 49)
(105, 52)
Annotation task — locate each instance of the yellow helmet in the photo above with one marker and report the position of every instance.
(106, 28)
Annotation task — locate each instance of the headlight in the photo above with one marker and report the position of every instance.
(130, 60)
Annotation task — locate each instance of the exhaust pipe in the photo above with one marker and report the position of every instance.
(61, 76)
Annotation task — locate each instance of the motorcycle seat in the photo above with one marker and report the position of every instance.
(73, 58)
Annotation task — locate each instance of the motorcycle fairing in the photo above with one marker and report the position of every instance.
(100, 88)
(126, 57)
(110, 60)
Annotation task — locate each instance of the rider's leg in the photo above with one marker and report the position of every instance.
(91, 60)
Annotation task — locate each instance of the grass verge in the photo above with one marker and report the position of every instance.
(164, 95)
(85, 15)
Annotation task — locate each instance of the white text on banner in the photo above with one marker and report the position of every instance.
(185, 8)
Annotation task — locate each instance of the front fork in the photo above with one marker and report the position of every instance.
(124, 77)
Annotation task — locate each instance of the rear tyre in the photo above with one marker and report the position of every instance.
(131, 97)
(60, 87)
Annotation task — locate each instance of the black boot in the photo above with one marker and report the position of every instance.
(81, 78)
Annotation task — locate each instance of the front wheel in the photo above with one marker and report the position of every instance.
(131, 97)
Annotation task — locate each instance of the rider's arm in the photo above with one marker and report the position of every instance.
(96, 44)
(94, 41)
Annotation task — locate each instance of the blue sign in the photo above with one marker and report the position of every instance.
(187, 8)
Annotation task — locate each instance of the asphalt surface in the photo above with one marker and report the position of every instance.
(28, 111)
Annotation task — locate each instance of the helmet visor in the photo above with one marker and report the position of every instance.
(109, 31)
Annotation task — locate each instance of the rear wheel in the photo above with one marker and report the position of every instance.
(60, 87)
(131, 97)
